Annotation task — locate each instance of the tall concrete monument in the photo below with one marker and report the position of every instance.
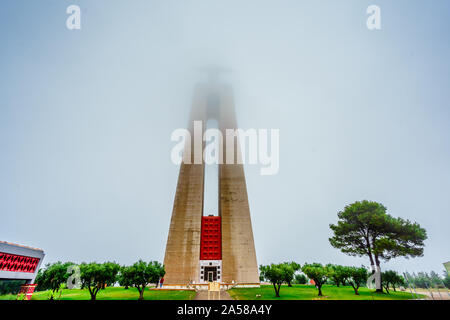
(202, 247)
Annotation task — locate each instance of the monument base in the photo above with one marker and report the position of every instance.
(204, 286)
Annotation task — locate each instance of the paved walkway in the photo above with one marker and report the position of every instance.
(436, 296)
(203, 295)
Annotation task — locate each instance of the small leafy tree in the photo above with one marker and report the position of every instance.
(300, 278)
(294, 267)
(113, 269)
(338, 274)
(398, 281)
(334, 274)
(124, 278)
(95, 276)
(142, 273)
(274, 274)
(53, 277)
(345, 275)
(358, 276)
(277, 274)
(392, 279)
(364, 228)
(318, 273)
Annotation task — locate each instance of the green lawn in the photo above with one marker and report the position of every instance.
(113, 293)
(297, 292)
(309, 292)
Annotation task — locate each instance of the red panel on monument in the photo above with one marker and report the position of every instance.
(211, 239)
(16, 263)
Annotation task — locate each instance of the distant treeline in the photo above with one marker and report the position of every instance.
(431, 280)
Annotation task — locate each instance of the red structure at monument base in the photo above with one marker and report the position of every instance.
(18, 262)
(26, 291)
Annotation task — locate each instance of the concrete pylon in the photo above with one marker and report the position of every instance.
(211, 101)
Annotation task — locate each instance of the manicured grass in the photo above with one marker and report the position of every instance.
(113, 293)
(297, 292)
(309, 292)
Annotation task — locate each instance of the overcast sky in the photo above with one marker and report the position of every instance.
(86, 117)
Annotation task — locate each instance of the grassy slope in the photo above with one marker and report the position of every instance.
(113, 293)
(308, 292)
